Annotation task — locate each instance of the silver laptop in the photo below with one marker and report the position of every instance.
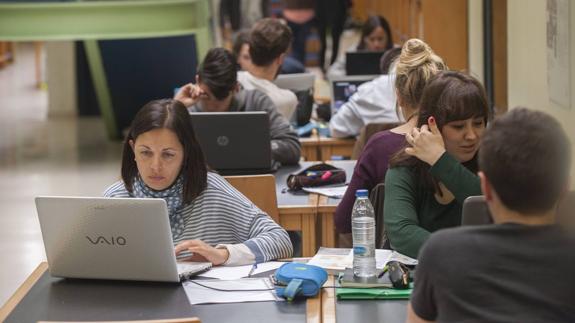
(343, 87)
(234, 143)
(295, 82)
(111, 238)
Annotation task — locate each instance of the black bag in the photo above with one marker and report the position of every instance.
(316, 175)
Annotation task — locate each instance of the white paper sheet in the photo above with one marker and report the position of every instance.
(235, 291)
(329, 191)
(237, 272)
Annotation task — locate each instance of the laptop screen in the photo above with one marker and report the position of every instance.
(234, 142)
(343, 88)
(363, 63)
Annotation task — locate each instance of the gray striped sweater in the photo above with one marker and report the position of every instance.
(223, 215)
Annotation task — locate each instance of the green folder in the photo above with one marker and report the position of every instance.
(372, 293)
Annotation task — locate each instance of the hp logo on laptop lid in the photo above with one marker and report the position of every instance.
(223, 141)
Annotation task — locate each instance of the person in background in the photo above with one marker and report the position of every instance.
(217, 90)
(374, 102)
(375, 36)
(210, 220)
(269, 42)
(517, 269)
(241, 49)
(416, 64)
(428, 181)
(330, 15)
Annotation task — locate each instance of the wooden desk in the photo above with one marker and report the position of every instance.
(326, 206)
(335, 147)
(43, 297)
(297, 212)
(318, 148)
(310, 148)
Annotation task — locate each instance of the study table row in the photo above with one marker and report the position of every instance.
(311, 214)
(45, 298)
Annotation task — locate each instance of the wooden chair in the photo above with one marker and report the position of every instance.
(366, 132)
(260, 189)
(181, 320)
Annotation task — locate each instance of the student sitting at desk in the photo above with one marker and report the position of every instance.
(374, 102)
(519, 269)
(427, 182)
(375, 37)
(217, 90)
(415, 66)
(269, 41)
(208, 217)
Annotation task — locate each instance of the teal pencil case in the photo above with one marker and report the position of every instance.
(293, 279)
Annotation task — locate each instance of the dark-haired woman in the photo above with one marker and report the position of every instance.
(428, 181)
(375, 37)
(208, 217)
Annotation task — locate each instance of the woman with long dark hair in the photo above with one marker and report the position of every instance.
(428, 180)
(210, 220)
(375, 36)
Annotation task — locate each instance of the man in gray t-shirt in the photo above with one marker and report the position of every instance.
(519, 269)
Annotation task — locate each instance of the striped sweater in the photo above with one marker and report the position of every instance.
(221, 215)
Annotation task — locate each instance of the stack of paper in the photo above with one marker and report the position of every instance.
(336, 260)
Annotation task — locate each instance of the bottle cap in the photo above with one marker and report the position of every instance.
(361, 193)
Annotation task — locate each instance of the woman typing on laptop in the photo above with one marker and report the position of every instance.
(208, 217)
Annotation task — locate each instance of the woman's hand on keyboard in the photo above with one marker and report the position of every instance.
(203, 252)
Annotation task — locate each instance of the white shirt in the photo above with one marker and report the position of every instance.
(374, 102)
(284, 100)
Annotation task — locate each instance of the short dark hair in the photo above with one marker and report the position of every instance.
(241, 38)
(370, 25)
(526, 156)
(388, 59)
(219, 72)
(448, 96)
(169, 114)
(269, 38)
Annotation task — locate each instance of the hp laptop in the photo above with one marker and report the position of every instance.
(342, 88)
(111, 238)
(362, 63)
(234, 143)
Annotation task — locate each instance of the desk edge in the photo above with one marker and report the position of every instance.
(19, 294)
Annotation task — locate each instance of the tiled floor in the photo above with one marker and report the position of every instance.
(40, 156)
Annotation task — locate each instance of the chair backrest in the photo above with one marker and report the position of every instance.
(260, 189)
(181, 320)
(366, 132)
(566, 212)
(475, 211)
(377, 197)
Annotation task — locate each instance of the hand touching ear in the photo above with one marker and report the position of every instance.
(189, 94)
(426, 142)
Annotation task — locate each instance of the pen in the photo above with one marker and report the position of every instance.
(253, 269)
(382, 272)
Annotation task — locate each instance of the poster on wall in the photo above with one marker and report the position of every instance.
(558, 56)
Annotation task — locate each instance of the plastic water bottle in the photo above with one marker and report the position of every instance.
(363, 231)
